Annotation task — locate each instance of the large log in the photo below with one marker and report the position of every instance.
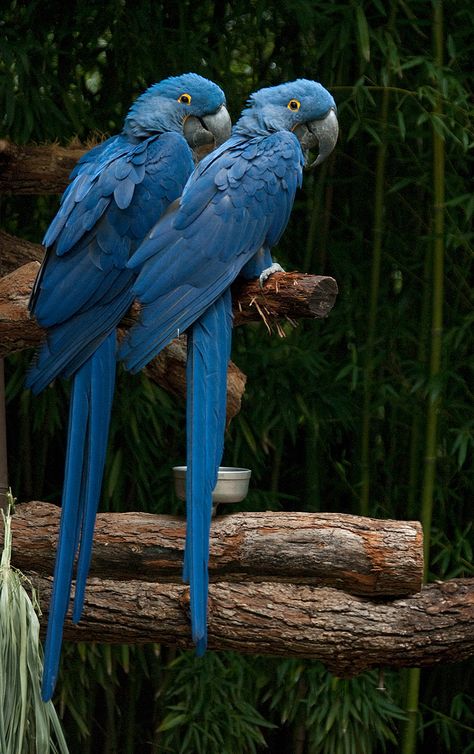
(269, 590)
(363, 556)
(348, 633)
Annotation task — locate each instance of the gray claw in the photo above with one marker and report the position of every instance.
(275, 267)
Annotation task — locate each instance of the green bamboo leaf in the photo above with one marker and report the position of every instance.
(362, 32)
(401, 124)
(172, 721)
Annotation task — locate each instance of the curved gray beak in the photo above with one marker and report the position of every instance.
(318, 133)
(209, 131)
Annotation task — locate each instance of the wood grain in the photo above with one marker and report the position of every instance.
(364, 556)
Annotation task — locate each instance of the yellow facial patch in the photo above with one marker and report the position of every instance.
(294, 104)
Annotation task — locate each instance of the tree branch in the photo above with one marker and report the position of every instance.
(363, 556)
(18, 331)
(34, 170)
(348, 633)
(15, 252)
(284, 294)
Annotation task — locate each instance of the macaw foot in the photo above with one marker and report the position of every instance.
(275, 267)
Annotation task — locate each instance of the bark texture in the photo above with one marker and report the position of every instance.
(348, 633)
(363, 556)
(41, 169)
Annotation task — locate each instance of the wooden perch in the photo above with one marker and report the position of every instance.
(313, 296)
(289, 295)
(348, 633)
(36, 169)
(14, 252)
(302, 295)
(18, 331)
(363, 556)
(269, 590)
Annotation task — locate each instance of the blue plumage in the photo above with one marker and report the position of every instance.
(117, 192)
(233, 210)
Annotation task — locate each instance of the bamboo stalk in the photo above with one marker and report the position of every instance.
(411, 711)
(434, 400)
(378, 230)
(416, 431)
(379, 202)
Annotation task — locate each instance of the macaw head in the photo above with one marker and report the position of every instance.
(303, 107)
(188, 104)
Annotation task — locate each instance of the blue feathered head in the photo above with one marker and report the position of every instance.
(303, 107)
(166, 106)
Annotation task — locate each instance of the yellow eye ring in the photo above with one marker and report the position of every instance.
(185, 99)
(294, 104)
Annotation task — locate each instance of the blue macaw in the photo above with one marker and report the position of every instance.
(234, 208)
(118, 191)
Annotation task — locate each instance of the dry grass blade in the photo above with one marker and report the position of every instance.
(27, 724)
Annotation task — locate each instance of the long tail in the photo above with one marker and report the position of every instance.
(89, 418)
(209, 344)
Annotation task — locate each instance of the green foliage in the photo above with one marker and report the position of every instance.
(209, 705)
(456, 726)
(314, 397)
(340, 716)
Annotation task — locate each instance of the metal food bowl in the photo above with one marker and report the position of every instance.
(232, 484)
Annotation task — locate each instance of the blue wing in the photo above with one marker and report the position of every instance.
(84, 287)
(81, 293)
(236, 203)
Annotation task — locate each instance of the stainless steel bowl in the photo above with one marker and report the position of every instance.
(232, 484)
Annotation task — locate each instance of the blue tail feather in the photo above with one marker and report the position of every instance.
(209, 344)
(102, 390)
(89, 415)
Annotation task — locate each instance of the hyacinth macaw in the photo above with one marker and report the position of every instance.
(118, 190)
(233, 209)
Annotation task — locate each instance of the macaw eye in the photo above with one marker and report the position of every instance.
(294, 105)
(185, 99)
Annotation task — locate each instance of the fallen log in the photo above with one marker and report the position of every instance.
(349, 634)
(364, 556)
